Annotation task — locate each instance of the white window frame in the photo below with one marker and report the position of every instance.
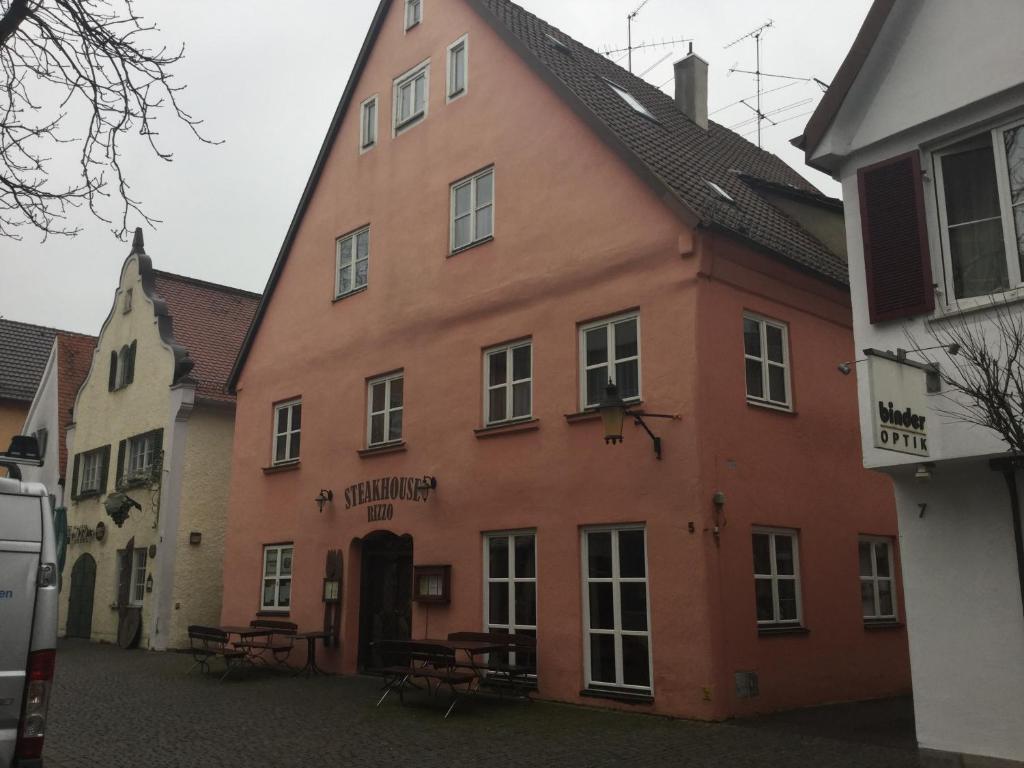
(289, 433)
(277, 577)
(353, 261)
(616, 580)
(508, 384)
(472, 180)
(630, 99)
(609, 323)
(364, 126)
(397, 127)
(123, 356)
(143, 445)
(763, 323)
(462, 42)
(510, 580)
(89, 481)
(1015, 276)
(387, 380)
(775, 577)
(874, 578)
(405, 18)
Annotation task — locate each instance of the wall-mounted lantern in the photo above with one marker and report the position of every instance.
(325, 496)
(195, 538)
(149, 583)
(614, 411)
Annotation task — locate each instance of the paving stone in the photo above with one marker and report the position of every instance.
(116, 708)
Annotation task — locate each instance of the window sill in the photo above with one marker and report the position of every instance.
(591, 414)
(410, 123)
(284, 466)
(875, 626)
(380, 450)
(783, 409)
(279, 614)
(977, 304)
(88, 495)
(349, 294)
(768, 631)
(133, 482)
(624, 696)
(455, 96)
(506, 428)
(471, 246)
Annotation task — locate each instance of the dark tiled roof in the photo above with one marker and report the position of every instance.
(678, 153)
(24, 350)
(74, 358)
(210, 321)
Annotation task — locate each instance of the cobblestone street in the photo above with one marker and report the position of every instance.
(118, 708)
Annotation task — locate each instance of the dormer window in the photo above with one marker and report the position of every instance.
(413, 13)
(630, 99)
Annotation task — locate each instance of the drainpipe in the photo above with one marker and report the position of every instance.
(1009, 467)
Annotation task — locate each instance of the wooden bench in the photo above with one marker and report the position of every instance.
(514, 669)
(279, 644)
(207, 642)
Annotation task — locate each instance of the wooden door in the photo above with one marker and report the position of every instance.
(83, 587)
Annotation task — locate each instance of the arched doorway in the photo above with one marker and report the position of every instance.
(83, 587)
(385, 592)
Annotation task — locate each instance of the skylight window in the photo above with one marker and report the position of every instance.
(558, 43)
(720, 192)
(630, 99)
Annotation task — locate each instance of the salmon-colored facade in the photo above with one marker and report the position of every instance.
(578, 236)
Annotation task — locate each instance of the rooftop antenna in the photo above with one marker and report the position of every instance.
(629, 31)
(756, 34)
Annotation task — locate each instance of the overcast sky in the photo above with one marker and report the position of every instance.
(267, 81)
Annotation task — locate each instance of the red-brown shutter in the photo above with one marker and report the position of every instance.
(896, 259)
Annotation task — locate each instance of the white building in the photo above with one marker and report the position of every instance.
(924, 127)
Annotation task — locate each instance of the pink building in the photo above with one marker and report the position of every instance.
(500, 221)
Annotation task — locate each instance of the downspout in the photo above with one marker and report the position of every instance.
(1009, 467)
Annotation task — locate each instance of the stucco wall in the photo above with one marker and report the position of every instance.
(43, 415)
(964, 610)
(12, 418)
(105, 418)
(204, 497)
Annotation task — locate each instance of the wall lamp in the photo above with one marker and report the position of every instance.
(613, 412)
(326, 495)
(426, 483)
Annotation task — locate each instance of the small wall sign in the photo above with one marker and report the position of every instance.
(82, 534)
(899, 404)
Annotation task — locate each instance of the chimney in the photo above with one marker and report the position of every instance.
(692, 88)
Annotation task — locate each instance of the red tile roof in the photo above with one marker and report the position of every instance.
(74, 357)
(211, 322)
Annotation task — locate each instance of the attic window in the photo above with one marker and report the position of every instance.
(558, 44)
(720, 192)
(630, 99)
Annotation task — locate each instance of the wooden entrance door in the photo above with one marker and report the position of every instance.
(385, 605)
(83, 587)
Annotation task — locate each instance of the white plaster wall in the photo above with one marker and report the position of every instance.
(932, 58)
(964, 613)
(43, 414)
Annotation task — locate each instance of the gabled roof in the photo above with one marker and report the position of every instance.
(673, 155)
(834, 97)
(210, 321)
(24, 350)
(74, 357)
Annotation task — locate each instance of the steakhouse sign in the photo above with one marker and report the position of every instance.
(898, 405)
(378, 495)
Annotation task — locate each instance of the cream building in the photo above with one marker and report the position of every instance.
(149, 456)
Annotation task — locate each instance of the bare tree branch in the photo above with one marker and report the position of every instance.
(78, 54)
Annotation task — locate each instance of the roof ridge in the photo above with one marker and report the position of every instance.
(206, 283)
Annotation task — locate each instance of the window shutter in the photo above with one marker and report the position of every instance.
(130, 375)
(112, 381)
(120, 462)
(104, 468)
(896, 258)
(158, 456)
(74, 477)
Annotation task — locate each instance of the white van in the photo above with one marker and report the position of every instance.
(28, 610)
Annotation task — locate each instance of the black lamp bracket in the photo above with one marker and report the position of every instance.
(638, 419)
